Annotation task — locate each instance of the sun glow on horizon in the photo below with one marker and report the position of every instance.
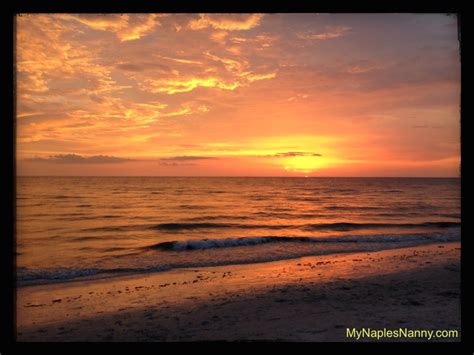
(305, 164)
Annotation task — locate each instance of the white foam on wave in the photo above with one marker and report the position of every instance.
(201, 244)
(219, 243)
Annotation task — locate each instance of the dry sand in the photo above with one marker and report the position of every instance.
(307, 299)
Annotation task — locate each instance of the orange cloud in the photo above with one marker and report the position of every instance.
(332, 32)
(100, 22)
(362, 67)
(28, 114)
(45, 57)
(179, 60)
(125, 27)
(138, 30)
(234, 50)
(174, 86)
(180, 86)
(219, 36)
(255, 77)
(228, 23)
(79, 159)
(230, 65)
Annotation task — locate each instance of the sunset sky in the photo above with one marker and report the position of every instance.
(241, 94)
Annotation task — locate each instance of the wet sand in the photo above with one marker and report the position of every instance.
(307, 299)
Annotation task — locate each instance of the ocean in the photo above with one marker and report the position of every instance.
(75, 228)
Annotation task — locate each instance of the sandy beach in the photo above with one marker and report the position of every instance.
(305, 299)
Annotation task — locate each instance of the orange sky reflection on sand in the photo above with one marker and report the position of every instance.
(241, 94)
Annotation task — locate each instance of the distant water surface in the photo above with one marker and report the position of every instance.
(73, 227)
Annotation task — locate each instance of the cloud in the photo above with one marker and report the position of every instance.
(144, 113)
(100, 22)
(293, 154)
(332, 32)
(183, 160)
(175, 86)
(256, 77)
(126, 28)
(96, 98)
(230, 64)
(51, 63)
(219, 36)
(298, 97)
(235, 67)
(139, 30)
(365, 66)
(226, 22)
(236, 75)
(79, 159)
(142, 66)
(234, 50)
(181, 112)
(29, 114)
(186, 85)
(179, 60)
(130, 67)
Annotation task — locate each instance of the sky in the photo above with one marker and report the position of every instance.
(238, 95)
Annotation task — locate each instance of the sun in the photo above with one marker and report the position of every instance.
(302, 164)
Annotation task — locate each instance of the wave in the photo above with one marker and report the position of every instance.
(331, 191)
(114, 228)
(283, 215)
(207, 225)
(217, 217)
(338, 226)
(354, 208)
(308, 199)
(346, 226)
(31, 276)
(410, 208)
(204, 225)
(452, 215)
(200, 244)
(91, 238)
(65, 197)
(194, 207)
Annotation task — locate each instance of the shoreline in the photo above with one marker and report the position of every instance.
(313, 298)
(94, 274)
